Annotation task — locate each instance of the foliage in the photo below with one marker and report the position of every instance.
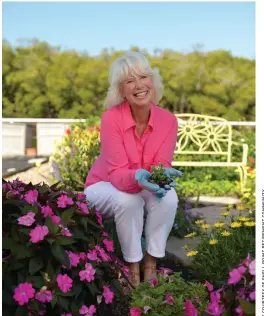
(166, 295)
(248, 195)
(222, 247)
(43, 81)
(159, 176)
(49, 234)
(184, 222)
(75, 154)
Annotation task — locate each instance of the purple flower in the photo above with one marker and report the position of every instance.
(236, 274)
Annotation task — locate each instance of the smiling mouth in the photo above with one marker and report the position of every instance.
(141, 94)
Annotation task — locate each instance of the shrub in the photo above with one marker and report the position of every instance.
(166, 295)
(56, 251)
(75, 154)
(222, 248)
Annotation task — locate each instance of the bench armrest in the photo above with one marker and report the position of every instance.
(245, 151)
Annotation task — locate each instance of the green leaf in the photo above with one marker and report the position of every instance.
(64, 240)
(25, 231)
(77, 288)
(7, 243)
(63, 302)
(21, 311)
(52, 228)
(21, 252)
(54, 301)
(60, 254)
(59, 293)
(248, 308)
(93, 224)
(37, 281)
(50, 270)
(16, 266)
(35, 264)
(79, 234)
(67, 215)
(92, 288)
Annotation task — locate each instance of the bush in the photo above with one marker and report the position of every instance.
(223, 247)
(75, 154)
(54, 249)
(166, 296)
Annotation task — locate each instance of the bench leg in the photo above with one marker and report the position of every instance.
(243, 177)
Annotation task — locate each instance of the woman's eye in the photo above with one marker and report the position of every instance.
(143, 77)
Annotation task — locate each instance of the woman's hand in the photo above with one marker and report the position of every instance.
(142, 176)
(171, 172)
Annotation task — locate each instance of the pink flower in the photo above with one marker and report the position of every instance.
(109, 244)
(165, 272)
(38, 233)
(46, 211)
(82, 256)
(236, 274)
(88, 311)
(88, 273)
(246, 261)
(23, 292)
(215, 309)
(252, 267)
(154, 282)
(44, 296)
(146, 308)
(64, 200)
(92, 255)
(105, 234)
(135, 311)
(209, 286)
(83, 207)
(81, 196)
(104, 256)
(99, 217)
(31, 196)
(68, 314)
(65, 231)
(169, 299)
(252, 295)
(239, 311)
(27, 219)
(64, 282)
(74, 258)
(189, 309)
(55, 219)
(108, 295)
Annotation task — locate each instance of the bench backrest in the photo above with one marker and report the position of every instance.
(203, 135)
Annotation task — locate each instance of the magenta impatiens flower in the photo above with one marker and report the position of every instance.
(65, 231)
(99, 217)
(27, 219)
(190, 309)
(83, 207)
(165, 272)
(135, 311)
(81, 196)
(38, 233)
(252, 267)
(236, 274)
(215, 309)
(92, 255)
(64, 282)
(46, 211)
(87, 311)
(209, 286)
(44, 295)
(68, 314)
(169, 299)
(239, 311)
(154, 282)
(108, 295)
(88, 273)
(74, 258)
(82, 255)
(55, 219)
(31, 196)
(109, 245)
(24, 292)
(104, 256)
(63, 201)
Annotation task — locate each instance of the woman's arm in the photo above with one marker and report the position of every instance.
(115, 155)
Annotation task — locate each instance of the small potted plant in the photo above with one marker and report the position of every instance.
(159, 176)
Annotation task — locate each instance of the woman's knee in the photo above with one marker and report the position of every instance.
(170, 201)
(129, 202)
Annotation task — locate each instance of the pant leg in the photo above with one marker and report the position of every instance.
(160, 217)
(127, 210)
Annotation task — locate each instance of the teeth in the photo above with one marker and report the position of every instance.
(141, 94)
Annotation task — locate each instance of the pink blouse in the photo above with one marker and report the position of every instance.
(123, 152)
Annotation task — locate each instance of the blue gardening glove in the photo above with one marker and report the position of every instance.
(171, 172)
(142, 176)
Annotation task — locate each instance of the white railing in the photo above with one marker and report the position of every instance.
(16, 134)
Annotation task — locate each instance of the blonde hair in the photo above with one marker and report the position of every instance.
(131, 63)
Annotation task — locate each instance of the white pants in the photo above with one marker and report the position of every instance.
(128, 211)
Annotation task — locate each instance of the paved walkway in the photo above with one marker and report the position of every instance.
(211, 214)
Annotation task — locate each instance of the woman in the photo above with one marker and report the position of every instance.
(136, 135)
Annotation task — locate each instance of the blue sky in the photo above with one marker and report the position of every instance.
(92, 26)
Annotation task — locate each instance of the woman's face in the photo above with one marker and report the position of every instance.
(137, 89)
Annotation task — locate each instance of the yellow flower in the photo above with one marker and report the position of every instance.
(190, 235)
(185, 247)
(243, 218)
(250, 224)
(199, 221)
(219, 224)
(229, 206)
(213, 241)
(205, 226)
(225, 214)
(240, 207)
(225, 233)
(235, 224)
(191, 253)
